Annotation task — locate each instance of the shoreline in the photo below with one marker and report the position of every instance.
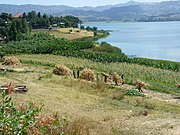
(101, 22)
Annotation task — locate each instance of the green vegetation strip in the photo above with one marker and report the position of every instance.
(134, 92)
(45, 44)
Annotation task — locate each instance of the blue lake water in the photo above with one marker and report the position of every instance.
(159, 40)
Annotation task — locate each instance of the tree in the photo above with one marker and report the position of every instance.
(95, 33)
(4, 16)
(51, 19)
(89, 28)
(95, 28)
(25, 27)
(17, 29)
(4, 33)
(24, 15)
(39, 15)
(82, 27)
(13, 31)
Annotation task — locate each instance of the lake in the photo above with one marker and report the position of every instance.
(158, 40)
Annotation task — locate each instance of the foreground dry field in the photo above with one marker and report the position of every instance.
(94, 103)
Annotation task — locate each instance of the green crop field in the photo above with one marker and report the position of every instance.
(158, 80)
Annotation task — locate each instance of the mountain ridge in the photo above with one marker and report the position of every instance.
(120, 12)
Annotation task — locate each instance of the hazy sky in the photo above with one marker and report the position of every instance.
(74, 3)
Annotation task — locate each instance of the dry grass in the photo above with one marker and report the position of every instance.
(67, 33)
(78, 99)
(119, 95)
(74, 34)
(80, 126)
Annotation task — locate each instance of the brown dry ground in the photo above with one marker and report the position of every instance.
(95, 103)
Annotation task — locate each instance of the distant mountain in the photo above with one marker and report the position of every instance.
(56, 8)
(123, 13)
(162, 8)
(141, 11)
(102, 8)
(39, 8)
(130, 11)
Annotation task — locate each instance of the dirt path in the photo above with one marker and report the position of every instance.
(156, 95)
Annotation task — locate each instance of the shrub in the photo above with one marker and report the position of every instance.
(25, 119)
(134, 92)
(101, 86)
(14, 119)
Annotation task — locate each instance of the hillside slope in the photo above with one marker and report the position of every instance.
(102, 107)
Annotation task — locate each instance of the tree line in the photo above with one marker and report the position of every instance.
(13, 29)
(20, 27)
(38, 20)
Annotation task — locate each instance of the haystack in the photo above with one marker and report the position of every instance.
(116, 78)
(106, 76)
(12, 61)
(140, 85)
(88, 75)
(62, 70)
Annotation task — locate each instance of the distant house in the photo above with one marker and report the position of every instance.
(54, 25)
(17, 15)
(62, 24)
